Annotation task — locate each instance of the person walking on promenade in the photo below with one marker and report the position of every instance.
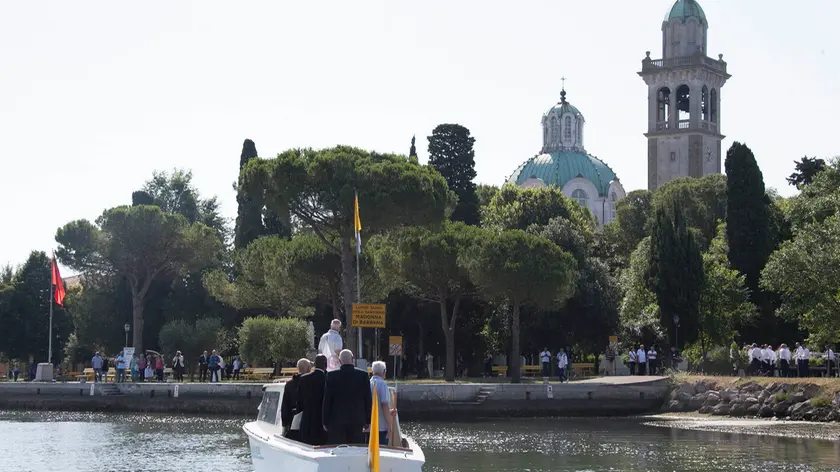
(178, 366)
(631, 362)
(347, 402)
(119, 363)
(105, 368)
(203, 362)
(237, 366)
(133, 366)
(96, 363)
(141, 367)
(545, 359)
(159, 368)
(652, 358)
(562, 364)
(213, 365)
(641, 360)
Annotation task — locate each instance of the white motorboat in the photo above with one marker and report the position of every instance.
(271, 452)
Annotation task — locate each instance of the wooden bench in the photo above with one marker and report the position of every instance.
(531, 370)
(583, 369)
(288, 372)
(258, 373)
(500, 370)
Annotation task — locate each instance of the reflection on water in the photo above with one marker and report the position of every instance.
(36, 442)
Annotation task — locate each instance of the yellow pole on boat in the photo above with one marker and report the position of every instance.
(373, 444)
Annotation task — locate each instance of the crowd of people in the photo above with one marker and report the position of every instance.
(767, 361)
(151, 367)
(331, 403)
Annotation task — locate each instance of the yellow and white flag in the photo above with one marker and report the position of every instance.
(373, 444)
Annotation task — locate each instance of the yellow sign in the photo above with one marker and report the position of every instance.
(613, 339)
(368, 315)
(394, 345)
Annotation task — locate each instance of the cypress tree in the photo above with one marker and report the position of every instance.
(451, 153)
(750, 234)
(675, 272)
(747, 214)
(412, 151)
(249, 224)
(141, 197)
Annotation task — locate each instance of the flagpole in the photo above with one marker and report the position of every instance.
(52, 272)
(358, 278)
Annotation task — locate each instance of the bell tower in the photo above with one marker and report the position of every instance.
(684, 138)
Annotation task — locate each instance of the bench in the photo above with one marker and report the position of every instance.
(500, 370)
(583, 369)
(288, 372)
(531, 370)
(258, 373)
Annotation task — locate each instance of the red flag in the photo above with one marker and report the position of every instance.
(58, 284)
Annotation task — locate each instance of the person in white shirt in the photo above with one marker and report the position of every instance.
(562, 363)
(641, 359)
(829, 362)
(651, 356)
(799, 355)
(331, 344)
(784, 361)
(631, 363)
(806, 354)
(765, 360)
(755, 360)
(772, 360)
(545, 359)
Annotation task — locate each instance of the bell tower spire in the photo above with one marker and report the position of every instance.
(684, 138)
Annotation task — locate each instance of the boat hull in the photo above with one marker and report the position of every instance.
(273, 453)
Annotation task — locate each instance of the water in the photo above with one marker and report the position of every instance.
(71, 442)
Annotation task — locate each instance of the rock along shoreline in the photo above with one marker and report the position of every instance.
(799, 401)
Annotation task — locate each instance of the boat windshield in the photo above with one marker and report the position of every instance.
(269, 407)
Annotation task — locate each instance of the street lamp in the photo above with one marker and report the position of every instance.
(127, 329)
(677, 331)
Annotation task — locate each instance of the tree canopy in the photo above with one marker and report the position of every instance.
(451, 153)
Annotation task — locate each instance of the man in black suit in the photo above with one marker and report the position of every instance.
(347, 402)
(310, 402)
(290, 397)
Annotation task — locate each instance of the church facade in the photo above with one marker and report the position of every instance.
(564, 163)
(684, 98)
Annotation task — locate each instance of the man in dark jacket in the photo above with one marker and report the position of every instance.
(310, 402)
(347, 402)
(291, 428)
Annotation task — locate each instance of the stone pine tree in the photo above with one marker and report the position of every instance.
(451, 153)
(805, 171)
(249, 222)
(748, 224)
(675, 272)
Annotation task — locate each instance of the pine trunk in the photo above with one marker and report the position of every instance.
(348, 278)
(449, 334)
(137, 318)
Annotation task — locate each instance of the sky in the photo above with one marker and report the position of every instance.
(96, 95)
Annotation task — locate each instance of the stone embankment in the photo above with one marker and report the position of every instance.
(792, 401)
(609, 396)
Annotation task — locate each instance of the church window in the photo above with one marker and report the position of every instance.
(683, 104)
(673, 157)
(704, 104)
(579, 128)
(663, 114)
(580, 196)
(555, 130)
(613, 198)
(567, 130)
(713, 106)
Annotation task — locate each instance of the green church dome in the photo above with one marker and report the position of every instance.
(557, 168)
(683, 9)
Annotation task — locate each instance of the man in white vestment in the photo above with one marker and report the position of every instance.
(331, 344)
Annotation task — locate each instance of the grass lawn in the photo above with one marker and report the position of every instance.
(829, 386)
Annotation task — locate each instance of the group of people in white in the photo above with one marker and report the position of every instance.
(642, 362)
(764, 360)
(562, 363)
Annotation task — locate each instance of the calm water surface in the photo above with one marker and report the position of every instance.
(70, 442)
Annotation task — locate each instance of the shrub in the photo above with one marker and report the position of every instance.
(820, 402)
(780, 397)
(264, 340)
